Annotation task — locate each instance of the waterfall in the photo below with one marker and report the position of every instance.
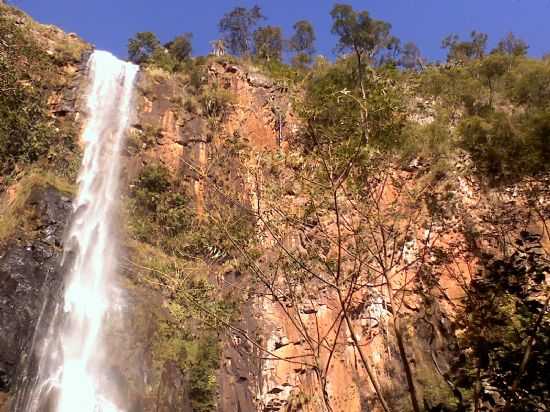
(69, 373)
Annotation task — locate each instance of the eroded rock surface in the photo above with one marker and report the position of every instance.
(30, 275)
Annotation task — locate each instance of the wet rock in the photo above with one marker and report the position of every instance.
(29, 273)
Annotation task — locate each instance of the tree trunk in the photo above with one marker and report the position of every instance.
(364, 361)
(364, 112)
(401, 346)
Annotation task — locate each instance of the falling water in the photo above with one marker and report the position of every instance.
(70, 377)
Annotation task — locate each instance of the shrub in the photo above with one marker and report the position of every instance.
(142, 46)
(154, 178)
(25, 129)
(529, 83)
(216, 102)
(333, 109)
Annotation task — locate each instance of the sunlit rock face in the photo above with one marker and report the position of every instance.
(70, 374)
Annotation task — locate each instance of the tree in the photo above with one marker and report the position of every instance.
(365, 37)
(180, 48)
(268, 43)
(512, 45)
(142, 47)
(359, 33)
(410, 57)
(465, 51)
(236, 28)
(302, 43)
(491, 69)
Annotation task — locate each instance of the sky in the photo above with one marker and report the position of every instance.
(108, 24)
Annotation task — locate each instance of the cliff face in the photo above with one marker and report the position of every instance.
(262, 363)
(450, 222)
(35, 205)
(218, 310)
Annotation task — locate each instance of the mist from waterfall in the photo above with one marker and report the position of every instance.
(70, 376)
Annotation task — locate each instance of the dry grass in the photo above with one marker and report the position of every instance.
(13, 202)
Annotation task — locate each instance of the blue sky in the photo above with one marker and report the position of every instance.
(109, 23)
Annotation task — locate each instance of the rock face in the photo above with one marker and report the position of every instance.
(29, 276)
(252, 374)
(31, 284)
(200, 147)
(195, 147)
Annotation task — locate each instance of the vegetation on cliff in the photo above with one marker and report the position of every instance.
(28, 76)
(335, 213)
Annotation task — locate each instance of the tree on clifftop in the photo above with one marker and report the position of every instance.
(365, 38)
(302, 43)
(359, 33)
(268, 43)
(512, 45)
(236, 28)
(410, 57)
(465, 51)
(142, 47)
(180, 48)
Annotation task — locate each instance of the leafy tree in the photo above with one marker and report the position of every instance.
(142, 47)
(529, 83)
(237, 27)
(365, 37)
(465, 51)
(268, 43)
(491, 69)
(302, 43)
(360, 34)
(512, 45)
(410, 57)
(180, 48)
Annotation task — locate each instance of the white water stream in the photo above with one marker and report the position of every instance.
(72, 379)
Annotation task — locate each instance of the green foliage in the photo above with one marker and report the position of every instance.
(202, 378)
(27, 76)
(162, 59)
(302, 43)
(196, 354)
(504, 309)
(180, 48)
(333, 109)
(154, 179)
(281, 72)
(216, 102)
(268, 43)
(433, 140)
(491, 141)
(499, 105)
(512, 46)
(410, 57)
(465, 51)
(359, 33)
(237, 27)
(174, 56)
(142, 46)
(160, 211)
(528, 83)
(492, 68)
